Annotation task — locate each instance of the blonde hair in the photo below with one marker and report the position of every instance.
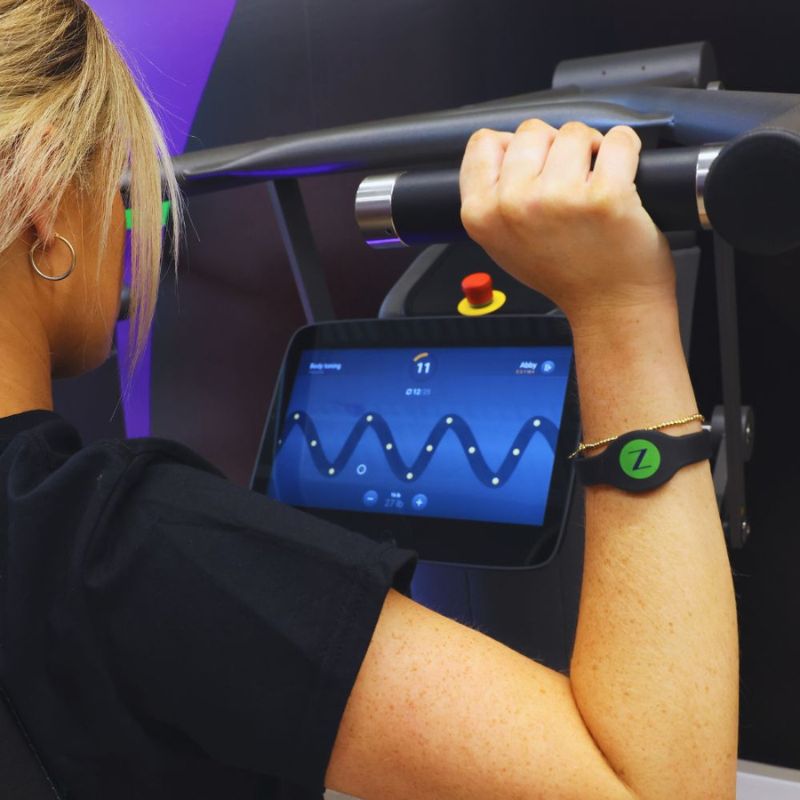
(71, 113)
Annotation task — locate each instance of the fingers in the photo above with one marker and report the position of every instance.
(526, 153)
(570, 157)
(483, 159)
(538, 150)
(514, 178)
(618, 158)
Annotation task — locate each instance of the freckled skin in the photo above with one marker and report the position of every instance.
(472, 719)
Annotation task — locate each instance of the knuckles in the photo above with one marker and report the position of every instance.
(535, 125)
(580, 130)
(480, 136)
(601, 201)
(545, 206)
(625, 132)
(517, 208)
(511, 206)
(575, 127)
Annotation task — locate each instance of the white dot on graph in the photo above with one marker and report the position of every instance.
(410, 476)
(537, 423)
(370, 417)
(471, 451)
(297, 416)
(495, 481)
(331, 471)
(449, 420)
(389, 445)
(429, 448)
(313, 442)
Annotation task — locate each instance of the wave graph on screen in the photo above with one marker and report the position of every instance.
(410, 472)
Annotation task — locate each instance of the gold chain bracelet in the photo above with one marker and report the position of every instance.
(694, 418)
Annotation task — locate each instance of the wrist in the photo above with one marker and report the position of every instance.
(623, 324)
(684, 426)
(632, 371)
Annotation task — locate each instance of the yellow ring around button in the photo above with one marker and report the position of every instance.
(467, 310)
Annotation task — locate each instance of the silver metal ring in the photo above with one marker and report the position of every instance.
(53, 278)
(374, 211)
(705, 158)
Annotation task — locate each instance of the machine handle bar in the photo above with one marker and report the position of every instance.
(747, 191)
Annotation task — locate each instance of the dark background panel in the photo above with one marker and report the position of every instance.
(221, 330)
(287, 66)
(284, 67)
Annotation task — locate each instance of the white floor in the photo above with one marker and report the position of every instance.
(760, 782)
(756, 782)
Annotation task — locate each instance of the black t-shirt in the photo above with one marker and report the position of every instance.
(167, 634)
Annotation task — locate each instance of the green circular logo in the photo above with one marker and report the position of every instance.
(640, 459)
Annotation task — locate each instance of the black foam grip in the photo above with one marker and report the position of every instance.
(666, 183)
(426, 205)
(752, 192)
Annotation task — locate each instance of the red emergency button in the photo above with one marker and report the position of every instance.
(480, 296)
(478, 289)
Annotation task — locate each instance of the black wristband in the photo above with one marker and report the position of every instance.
(643, 460)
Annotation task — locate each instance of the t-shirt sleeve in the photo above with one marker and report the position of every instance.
(237, 621)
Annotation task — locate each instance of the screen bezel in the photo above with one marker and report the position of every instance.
(435, 538)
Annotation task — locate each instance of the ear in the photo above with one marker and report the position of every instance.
(44, 224)
(44, 218)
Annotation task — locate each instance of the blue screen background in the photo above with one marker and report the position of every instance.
(459, 433)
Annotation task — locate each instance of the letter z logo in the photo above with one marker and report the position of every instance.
(638, 465)
(640, 459)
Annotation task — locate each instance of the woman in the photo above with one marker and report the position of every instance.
(166, 634)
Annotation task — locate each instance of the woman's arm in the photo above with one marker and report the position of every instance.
(650, 707)
(655, 665)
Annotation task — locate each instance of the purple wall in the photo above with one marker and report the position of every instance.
(172, 44)
(172, 47)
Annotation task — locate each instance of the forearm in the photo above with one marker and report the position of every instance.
(651, 701)
(655, 665)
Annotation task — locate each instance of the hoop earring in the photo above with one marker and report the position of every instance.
(41, 274)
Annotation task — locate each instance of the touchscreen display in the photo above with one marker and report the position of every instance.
(458, 433)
